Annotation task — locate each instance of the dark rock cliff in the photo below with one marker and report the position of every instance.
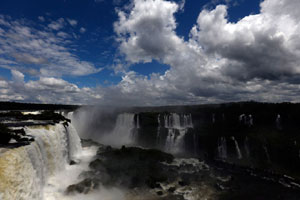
(257, 135)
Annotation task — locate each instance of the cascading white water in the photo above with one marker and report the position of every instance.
(241, 117)
(267, 153)
(158, 130)
(246, 146)
(177, 126)
(222, 148)
(174, 142)
(278, 121)
(137, 121)
(237, 148)
(246, 120)
(250, 120)
(122, 132)
(178, 121)
(25, 170)
(73, 141)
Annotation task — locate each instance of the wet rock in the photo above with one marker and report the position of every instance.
(173, 197)
(133, 167)
(19, 132)
(172, 189)
(221, 187)
(24, 138)
(89, 142)
(103, 148)
(183, 183)
(86, 174)
(84, 186)
(108, 148)
(97, 165)
(74, 162)
(151, 183)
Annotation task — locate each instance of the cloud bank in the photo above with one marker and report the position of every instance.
(44, 50)
(256, 58)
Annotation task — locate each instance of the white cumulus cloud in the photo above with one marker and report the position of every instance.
(256, 58)
(41, 49)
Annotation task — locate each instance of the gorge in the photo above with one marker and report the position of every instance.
(224, 151)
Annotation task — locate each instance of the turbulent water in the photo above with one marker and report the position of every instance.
(24, 171)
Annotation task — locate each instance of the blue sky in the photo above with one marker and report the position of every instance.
(86, 45)
(97, 44)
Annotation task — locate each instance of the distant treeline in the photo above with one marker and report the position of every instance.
(236, 107)
(33, 106)
(247, 107)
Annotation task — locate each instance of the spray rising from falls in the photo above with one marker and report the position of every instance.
(177, 125)
(246, 146)
(25, 170)
(122, 132)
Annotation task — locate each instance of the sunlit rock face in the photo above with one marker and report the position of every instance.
(25, 170)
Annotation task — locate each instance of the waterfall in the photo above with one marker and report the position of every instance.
(238, 151)
(250, 120)
(73, 137)
(122, 134)
(177, 125)
(137, 121)
(222, 148)
(174, 142)
(69, 115)
(25, 170)
(170, 139)
(246, 146)
(242, 118)
(267, 153)
(178, 121)
(278, 122)
(73, 141)
(158, 130)
(213, 118)
(187, 123)
(246, 120)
